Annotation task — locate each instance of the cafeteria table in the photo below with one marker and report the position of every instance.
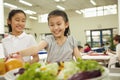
(96, 57)
(100, 57)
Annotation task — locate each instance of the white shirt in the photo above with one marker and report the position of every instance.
(12, 44)
(114, 58)
(118, 50)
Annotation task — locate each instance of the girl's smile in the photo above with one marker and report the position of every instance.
(57, 26)
(18, 23)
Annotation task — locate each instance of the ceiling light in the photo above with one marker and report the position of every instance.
(10, 5)
(32, 17)
(60, 7)
(26, 3)
(93, 2)
(77, 11)
(63, 0)
(29, 12)
(59, 0)
(56, 0)
(83, 11)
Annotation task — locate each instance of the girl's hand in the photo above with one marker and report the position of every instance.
(17, 56)
(13, 54)
(8, 57)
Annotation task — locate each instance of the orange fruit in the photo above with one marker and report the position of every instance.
(2, 68)
(13, 63)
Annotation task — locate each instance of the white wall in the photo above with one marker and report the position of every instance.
(119, 16)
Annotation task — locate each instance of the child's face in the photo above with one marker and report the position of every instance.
(86, 46)
(81, 50)
(18, 22)
(57, 25)
(115, 42)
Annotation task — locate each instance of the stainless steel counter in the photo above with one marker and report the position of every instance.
(114, 73)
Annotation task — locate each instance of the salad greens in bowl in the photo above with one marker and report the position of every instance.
(73, 70)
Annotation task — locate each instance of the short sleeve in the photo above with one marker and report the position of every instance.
(72, 41)
(3, 45)
(49, 40)
(3, 50)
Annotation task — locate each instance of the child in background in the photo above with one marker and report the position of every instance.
(115, 57)
(60, 45)
(17, 39)
(80, 49)
(106, 46)
(87, 48)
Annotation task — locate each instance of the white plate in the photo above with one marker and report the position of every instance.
(10, 75)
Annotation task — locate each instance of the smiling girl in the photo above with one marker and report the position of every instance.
(17, 39)
(60, 45)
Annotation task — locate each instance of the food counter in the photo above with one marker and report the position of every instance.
(114, 73)
(110, 74)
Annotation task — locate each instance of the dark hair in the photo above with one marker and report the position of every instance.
(87, 45)
(65, 17)
(102, 45)
(79, 47)
(117, 38)
(11, 14)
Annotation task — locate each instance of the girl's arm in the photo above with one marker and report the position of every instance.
(34, 49)
(76, 53)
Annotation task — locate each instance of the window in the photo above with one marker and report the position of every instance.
(98, 37)
(42, 18)
(111, 9)
(90, 12)
(100, 11)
